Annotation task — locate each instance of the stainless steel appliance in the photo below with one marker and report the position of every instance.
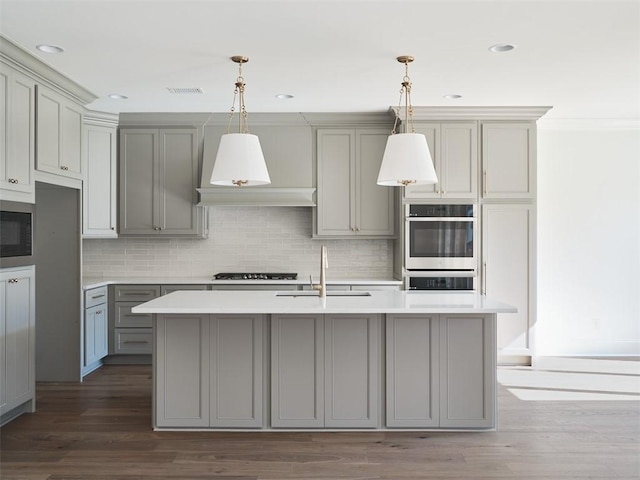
(440, 237)
(16, 234)
(255, 276)
(463, 280)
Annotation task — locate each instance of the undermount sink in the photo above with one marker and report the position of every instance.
(330, 293)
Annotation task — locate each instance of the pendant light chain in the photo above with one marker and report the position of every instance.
(405, 92)
(238, 93)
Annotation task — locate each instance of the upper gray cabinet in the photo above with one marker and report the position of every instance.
(349, 201)
(508, 160)
(17, 135)
(99, 212)
(158, 173)
(59, 134)
(454, 149)
(287, 145)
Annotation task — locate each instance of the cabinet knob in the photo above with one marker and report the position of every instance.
(13, 180)
(64, 167)
(13, 280)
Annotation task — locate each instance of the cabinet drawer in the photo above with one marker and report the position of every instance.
(136, 293)
(95, 296)
(165, 289)
(125, 319)
(133, 340)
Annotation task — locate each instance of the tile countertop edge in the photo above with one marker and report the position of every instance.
(89, 283)
(267, 302)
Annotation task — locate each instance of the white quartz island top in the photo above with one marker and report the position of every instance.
(269, 302)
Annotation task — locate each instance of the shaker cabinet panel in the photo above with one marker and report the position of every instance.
(17, 135)
(508, 253)
(59, 134)
(297, 366)
(412, 366)
(159, 173)
(508, 160)
(349, 202)
(99, 214)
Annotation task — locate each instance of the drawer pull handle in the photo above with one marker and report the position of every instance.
(137, 342)
(13, 180)
(97, 296)
(131, 294)
(99, 312)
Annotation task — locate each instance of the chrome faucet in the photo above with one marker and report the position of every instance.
(324, 263)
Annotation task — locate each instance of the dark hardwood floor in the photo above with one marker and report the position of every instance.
(100, 430)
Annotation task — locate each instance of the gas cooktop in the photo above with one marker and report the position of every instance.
(255, 276)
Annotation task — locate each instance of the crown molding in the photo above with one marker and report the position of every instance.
(100, 119)
(473, 113)
(24, 61)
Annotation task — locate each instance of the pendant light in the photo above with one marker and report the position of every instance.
(239, 161)
(406, 159)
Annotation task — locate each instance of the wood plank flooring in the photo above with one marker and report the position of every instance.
(100, 430)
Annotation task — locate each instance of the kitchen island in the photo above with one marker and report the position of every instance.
(379, 360)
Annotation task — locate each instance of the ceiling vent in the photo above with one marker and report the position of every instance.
(185, 90)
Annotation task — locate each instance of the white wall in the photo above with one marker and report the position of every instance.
(588, 241)
(260, 239)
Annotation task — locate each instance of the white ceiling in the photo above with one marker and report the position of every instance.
(580, 57)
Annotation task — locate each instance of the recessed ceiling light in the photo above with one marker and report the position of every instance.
(50, 48)
(284, 96)
(501, 47)
(117, 96)
(452, 96)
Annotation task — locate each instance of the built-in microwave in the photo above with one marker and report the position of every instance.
(16, 234)
(456, 280)
(440, 237)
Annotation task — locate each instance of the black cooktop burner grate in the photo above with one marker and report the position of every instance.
(255, 276)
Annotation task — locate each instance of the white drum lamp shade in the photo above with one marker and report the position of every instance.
(406, 161)
(239, 161)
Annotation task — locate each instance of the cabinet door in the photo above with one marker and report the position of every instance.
(432, 132)
(297, 365)
(374, 204)
(138, 193)
(177, 175)
(467, 366)
(508, 252)
(17, 344)
(181, 371)
(59, 137)
(336, 172)
(236, 371)
(458, 160)
(99, 190)
(95, 334)
(17, 131)
(508, 166)
(412, 366)
(351, 370)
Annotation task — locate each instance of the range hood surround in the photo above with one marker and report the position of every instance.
(287, 142)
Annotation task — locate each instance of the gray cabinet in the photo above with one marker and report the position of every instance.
(454, 149)
(412, 371)
(99, 191)
(467, 371)
(209, 371)
(17, 341)
(131, 332)
(158, 178)
(324, 371)
(508, 160)
(349, 202)
(96, 345)
(59, 134)
(17, 135)
(508, 255)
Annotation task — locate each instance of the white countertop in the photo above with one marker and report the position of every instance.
(88, 282)
(267, 302)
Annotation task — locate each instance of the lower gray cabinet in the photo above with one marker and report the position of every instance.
(412, 366)
(209, 371)
(325, 371)
(96, 345)
(468, 375)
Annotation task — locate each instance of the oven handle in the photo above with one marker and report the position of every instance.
(440, 219)
(443, 273)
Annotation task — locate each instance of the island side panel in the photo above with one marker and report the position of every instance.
(181, 371)
(468, 371)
